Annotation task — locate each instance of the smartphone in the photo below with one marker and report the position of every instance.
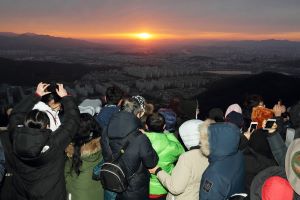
(52, 88)
(269, 123)
(253, 126)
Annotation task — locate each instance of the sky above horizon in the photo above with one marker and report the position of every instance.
(165, 19)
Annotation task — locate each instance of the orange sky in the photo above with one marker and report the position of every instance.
(294, 36)
(164, 19)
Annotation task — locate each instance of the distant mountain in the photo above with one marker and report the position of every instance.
(284, 48)
(262, 43)
(271, 86)
(14, 41)
(8, 34)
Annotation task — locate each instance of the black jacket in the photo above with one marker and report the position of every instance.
(39, 153)
(7, 192)
(277, 144)
(259, 180)
(254, 163)
(258, 156)
(2, 162)
(138, 156)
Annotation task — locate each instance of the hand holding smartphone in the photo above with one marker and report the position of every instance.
(253, 126)
(269, 124)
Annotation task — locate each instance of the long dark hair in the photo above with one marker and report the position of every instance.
(89, 130)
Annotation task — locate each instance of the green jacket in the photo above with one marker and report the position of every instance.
(82, 187)
(168, 149)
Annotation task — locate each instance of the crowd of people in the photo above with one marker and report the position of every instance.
(53, 148)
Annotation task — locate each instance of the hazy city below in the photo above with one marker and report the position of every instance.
(156, 71)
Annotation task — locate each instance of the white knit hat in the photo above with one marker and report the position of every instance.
(189, 132)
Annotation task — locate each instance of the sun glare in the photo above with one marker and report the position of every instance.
(144, 36)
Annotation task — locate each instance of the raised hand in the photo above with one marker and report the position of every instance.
(270, 130)
(41, 89)
(61, 91)
(248, 133)
(278, 109)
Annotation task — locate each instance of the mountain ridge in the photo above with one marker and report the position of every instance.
(35, 41)
(40, 41)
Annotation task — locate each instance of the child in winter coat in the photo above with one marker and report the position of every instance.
(184, 181)
(168, 149)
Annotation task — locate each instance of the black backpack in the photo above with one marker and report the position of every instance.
(112, 176)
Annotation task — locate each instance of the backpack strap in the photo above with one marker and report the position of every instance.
(127, 140)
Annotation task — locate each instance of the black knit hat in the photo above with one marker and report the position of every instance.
(235, 118)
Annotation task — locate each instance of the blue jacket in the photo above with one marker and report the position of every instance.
(225, 174)
(2, 162)
(103, 119)
(105, 114)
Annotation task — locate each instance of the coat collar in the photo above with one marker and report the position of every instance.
(87, 149)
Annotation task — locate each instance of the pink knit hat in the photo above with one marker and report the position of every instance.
(234, 107)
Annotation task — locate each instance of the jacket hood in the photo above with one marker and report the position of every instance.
(277, 188)
(28, 143)
(203, 129)
(189, 132)
(41, 106)
(87, 149)
(261, 177)
(121, 124)
(52, 114)
(223, 139)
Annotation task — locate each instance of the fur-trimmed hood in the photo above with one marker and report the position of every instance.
(204, 142)
(87, 149)
(219, 139)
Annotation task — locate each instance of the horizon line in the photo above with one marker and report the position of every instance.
(204, 36)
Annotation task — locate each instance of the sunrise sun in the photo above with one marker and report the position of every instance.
(144, 36)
